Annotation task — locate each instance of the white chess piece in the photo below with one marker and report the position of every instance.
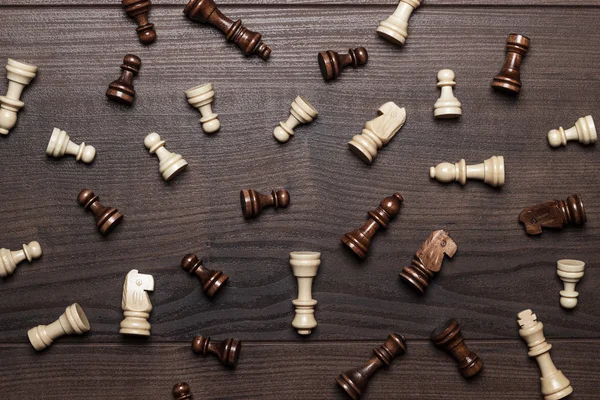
(570, 272)
(301, 112)
(378, 132)
(394, 28)
(491, 171)
(136, 304)
(305, 265)
(72, 321)
(201, 97)
(584, 131)
(171, 164)
(60, 144)
(10, 259)
(447, 106)
(19, 75)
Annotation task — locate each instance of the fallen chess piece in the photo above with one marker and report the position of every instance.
(584, 131)
(394, 28)
(19, 75)
(227, 351)
(449, 337)
(107, 219)
(60, 144)
(332, 63)
(181, 391)
(136, 304)
(138, 10)
(509, 78)
(211, 280)
(201, 97)
(491, 171)
(10, 259)
(253, 202)
(570, 272)
(553, 214)
(72, 321)
(301, 112)
(121, 90)
(305, 265)
(170, 164)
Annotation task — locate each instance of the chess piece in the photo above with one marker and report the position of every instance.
(449, 337)
(428, 260)
(354, 381)
(211, 280)
(394, 28)
(10, 259)
(584, 131)
(509, 77)
(301, 112)
(491, 171)
(254, 202)
(553, 214)
(206, 11)
(60, 144)
(201, 97)
(555, 384)
(19, 75)
(138, 10)
(359, 240)
(181, 391)
(107, 219)
(72, 321)
(447, 106)
(332, 64)
(171, 164)
(227, 351)
(570, 272)
(305, 265)
(136, 304)
(122, 89)
(378, 132)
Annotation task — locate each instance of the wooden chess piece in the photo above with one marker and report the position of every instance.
(555, 384)
(305, 265)
(181, 391)
(206, 11)
(394, 28)
(60, 144)
(509, 77)
(227, 351)
(491, 171)
(332, 64)
(10, 259)
(107, 219)
(428, 260)
(136, 304)
(138, 10)
(122, 89)
(354, 381)
(301, 112)
(253, 202)
(553, 214)
(201, 97)
(378, 132)
(19, 75)
(359, 240)
(72, 321)
(449, 337)
(584, 131)
(447, 106)
(570, 272)
(211, 280)
(170, 164)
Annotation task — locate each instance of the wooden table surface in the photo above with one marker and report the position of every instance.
(497, 271)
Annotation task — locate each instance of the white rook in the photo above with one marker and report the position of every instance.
(72, 321)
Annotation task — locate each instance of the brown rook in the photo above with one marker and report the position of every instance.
(332, 63)
(211, 280)
(107, 219)
(509, 77)
(448, 336)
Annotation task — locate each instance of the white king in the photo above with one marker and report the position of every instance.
(136, 303)
(72, 321)
(305, 265)
(19, 75)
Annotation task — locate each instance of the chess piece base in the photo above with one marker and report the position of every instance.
(346, 383)
(506, 86)
(108, 224)
(214, 285)
(120, 94)
(416, 277)
(391, 35)
(174, 169)
(357, 147)
(356, 246)
(447, 112)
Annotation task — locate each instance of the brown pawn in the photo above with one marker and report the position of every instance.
(359, 240)
(122, 90)
(253, 202)
(107, 219)
(449, 337)
(228, 350)
(509, 77)
(553, 214)
(211, 280)
(181, 391)
(332, 64)
(355, 381)
(138, 10)
(249, 42)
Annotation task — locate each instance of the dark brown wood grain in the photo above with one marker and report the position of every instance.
(240, 4)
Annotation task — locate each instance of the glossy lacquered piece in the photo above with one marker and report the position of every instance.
(395, 28)
(305, 265)
(19, 75)
(10, 259)
(211, 280)
(72, 322)
(138, 10)
(227, 351)
(449, 337)
(332, 63)
(301, 112)
(201, 97)
(447, 106)
(107, 219)
(181, 391)
(253, 202)
(491, 171)
(570, 272)
(584, 132)
(61, 144)
(170, 164)
(122, 90)
(509, 77)
(554, 214)
(136, 304)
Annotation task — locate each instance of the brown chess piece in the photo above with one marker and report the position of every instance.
(138, 10)
(359, 240)
(181, 391)
(509, 77)
(553, 214)
(211, 280)
(206, 11)
(332, 64)
(355, 381)
(228, 350)
(428, 260)
(449, 337)
(107, 219)
(122, 89)
(253, 202)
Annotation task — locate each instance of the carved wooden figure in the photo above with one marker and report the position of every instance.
(170, 164)
(60, 144)
(332, 63)
(181, 391)
(491, 171)
(570, 272)
(136, 303)
(201, 97)
(301, 112)
(447, 106)
(305, 265)
(253, 202)
(553, 214)
(449, 337)
(107, 219)
(138, 10)
(19, 75)
(122, 89)
(72, 321)
(211, 280)
(584, 131)
(395, 28)
(10, 259)
(227, 351)
(509, 77)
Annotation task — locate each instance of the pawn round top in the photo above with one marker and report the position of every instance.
(181, 391)
(151, 140)
(133, 62)
(361, 55)
(86, 197)
(33, 250)
(89, 153)
(189, 261)
(282, 198)
(147, 36)
(392, 204)
(446, 76)
(555, 138)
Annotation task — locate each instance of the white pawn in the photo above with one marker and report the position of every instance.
(447, 106)
(72, 321)
(60, 144)
(171, 164)
(201, 97)
(136, 303)
(10, 259)
(491, 171)
(301, 112)
(584, 131)
(305, 265)
(394, 28)
(19, 75)
(570, 272)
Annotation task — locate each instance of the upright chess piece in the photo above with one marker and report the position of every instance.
(301, 112)
(359, 240)
(332, 64)
(136, 304)
(19, 75)
(509, 77)
(447, 106)
(449, 337)
(138, 10)
(394, 28)
(555, 385)
(211, 280)
(72, 321)
(305, 265)
(10, 259)
(378, 132)
(122, 89)
(170, 164)
(354, 381)
(227, 351)
(107, 219)
(181, 391)
(249, 42)
(570, 272)
(60, 144)
(428, 260)
(201, 97)
(553, 214)
(584, 131)
(253, 202)
(491, 171)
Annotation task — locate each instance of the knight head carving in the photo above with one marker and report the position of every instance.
(135, 296)
(432, 251)
(388, 123)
